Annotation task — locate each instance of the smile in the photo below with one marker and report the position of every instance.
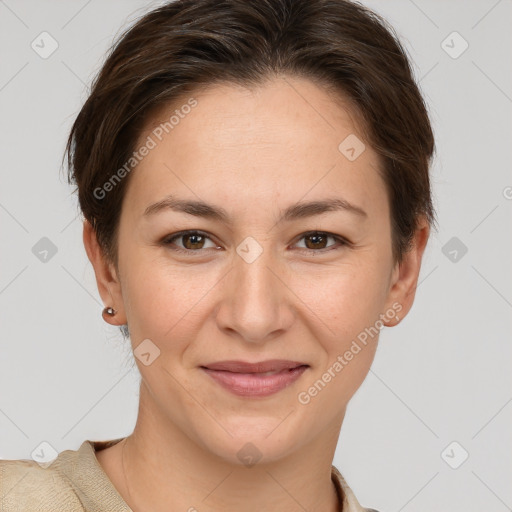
(256, 384)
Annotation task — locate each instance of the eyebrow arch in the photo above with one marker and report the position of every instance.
(296, 211)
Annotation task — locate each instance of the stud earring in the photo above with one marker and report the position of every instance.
(108, 312)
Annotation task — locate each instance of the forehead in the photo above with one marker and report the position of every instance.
(284, 138)
(229, 112)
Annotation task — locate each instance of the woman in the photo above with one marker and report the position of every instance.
(254, 181)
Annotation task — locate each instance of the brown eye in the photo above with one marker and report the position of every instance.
(194, 241)
(316, 241)
(191, 241)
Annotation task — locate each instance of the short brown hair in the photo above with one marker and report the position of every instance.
(185, 45)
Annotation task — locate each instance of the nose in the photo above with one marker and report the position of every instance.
(256, 303)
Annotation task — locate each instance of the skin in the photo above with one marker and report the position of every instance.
(254, 152)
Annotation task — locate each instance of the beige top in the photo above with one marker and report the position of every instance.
(76, 482)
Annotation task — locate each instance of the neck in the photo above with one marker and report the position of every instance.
(166, 468)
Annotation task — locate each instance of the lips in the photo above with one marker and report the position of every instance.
(255, 380)
(269, 366)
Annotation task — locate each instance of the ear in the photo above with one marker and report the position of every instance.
(107, 279)
(404, 279)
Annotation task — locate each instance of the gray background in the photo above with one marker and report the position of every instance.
(443, 375)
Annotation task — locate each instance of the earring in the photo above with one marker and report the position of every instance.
(108, 311)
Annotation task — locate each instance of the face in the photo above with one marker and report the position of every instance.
(271, 280)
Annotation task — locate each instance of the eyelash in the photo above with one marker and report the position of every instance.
(168, 241)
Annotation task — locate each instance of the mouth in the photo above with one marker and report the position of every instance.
(255, 379)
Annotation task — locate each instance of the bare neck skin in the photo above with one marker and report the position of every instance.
(166, 470)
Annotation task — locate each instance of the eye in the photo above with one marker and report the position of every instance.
(315, 241)
(194, 241)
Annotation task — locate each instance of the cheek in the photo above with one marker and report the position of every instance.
(345, 299)
(344, 307)
(164, 300)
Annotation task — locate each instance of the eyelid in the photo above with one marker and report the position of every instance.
(342, 241)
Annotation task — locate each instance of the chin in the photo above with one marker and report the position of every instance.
(257, 440)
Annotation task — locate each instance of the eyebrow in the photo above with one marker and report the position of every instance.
(299, 210)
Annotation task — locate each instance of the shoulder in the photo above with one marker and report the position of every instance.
(25, 485)
(74, 481)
